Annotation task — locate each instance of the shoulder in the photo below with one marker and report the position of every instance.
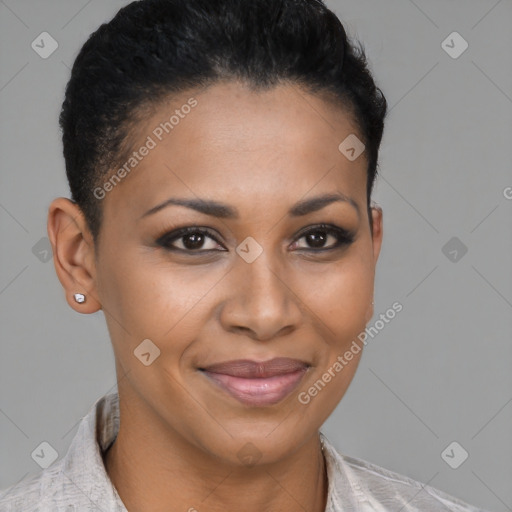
(419, 495)
(35, 492)
(78, 481)
(378, 488)
(59, 488)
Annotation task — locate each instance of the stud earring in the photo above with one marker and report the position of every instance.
(79, 297)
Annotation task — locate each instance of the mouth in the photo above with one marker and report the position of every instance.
(257, 383)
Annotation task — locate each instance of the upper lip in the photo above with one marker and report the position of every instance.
(249, 369)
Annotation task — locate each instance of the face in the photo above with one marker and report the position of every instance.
(262, 272)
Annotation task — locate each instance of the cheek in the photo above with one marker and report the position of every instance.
(146, 296)
(341, 296)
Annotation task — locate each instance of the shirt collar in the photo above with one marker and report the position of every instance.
(83, 464)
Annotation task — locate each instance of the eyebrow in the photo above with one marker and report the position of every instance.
(224, 211)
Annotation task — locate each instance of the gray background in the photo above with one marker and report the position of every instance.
(439, 372)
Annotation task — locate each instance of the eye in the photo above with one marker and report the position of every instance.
(317, 237)
(189, 239)
(194, 239)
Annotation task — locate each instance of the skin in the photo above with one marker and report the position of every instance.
(259, 152)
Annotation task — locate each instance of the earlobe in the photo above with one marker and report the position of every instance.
(73, 254)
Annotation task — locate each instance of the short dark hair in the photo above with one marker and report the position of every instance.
(153, 49)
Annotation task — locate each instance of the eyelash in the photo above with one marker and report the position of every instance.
(344, 238)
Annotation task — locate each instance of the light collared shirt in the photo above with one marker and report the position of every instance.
(78, 482)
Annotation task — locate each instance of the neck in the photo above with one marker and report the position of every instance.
(155, 472)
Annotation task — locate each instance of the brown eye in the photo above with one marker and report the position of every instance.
(199, 240)
(190, 239)
(317, 237)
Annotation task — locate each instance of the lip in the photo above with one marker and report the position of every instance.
(257, 383)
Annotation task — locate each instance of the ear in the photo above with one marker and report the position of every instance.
(377, 220)
(73, 253)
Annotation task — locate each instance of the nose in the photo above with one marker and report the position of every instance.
(262, 303)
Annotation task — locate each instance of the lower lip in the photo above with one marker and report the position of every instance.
(258, 392)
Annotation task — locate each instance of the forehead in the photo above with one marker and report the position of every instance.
(237, 145)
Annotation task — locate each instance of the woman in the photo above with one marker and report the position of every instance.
(221, 158)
